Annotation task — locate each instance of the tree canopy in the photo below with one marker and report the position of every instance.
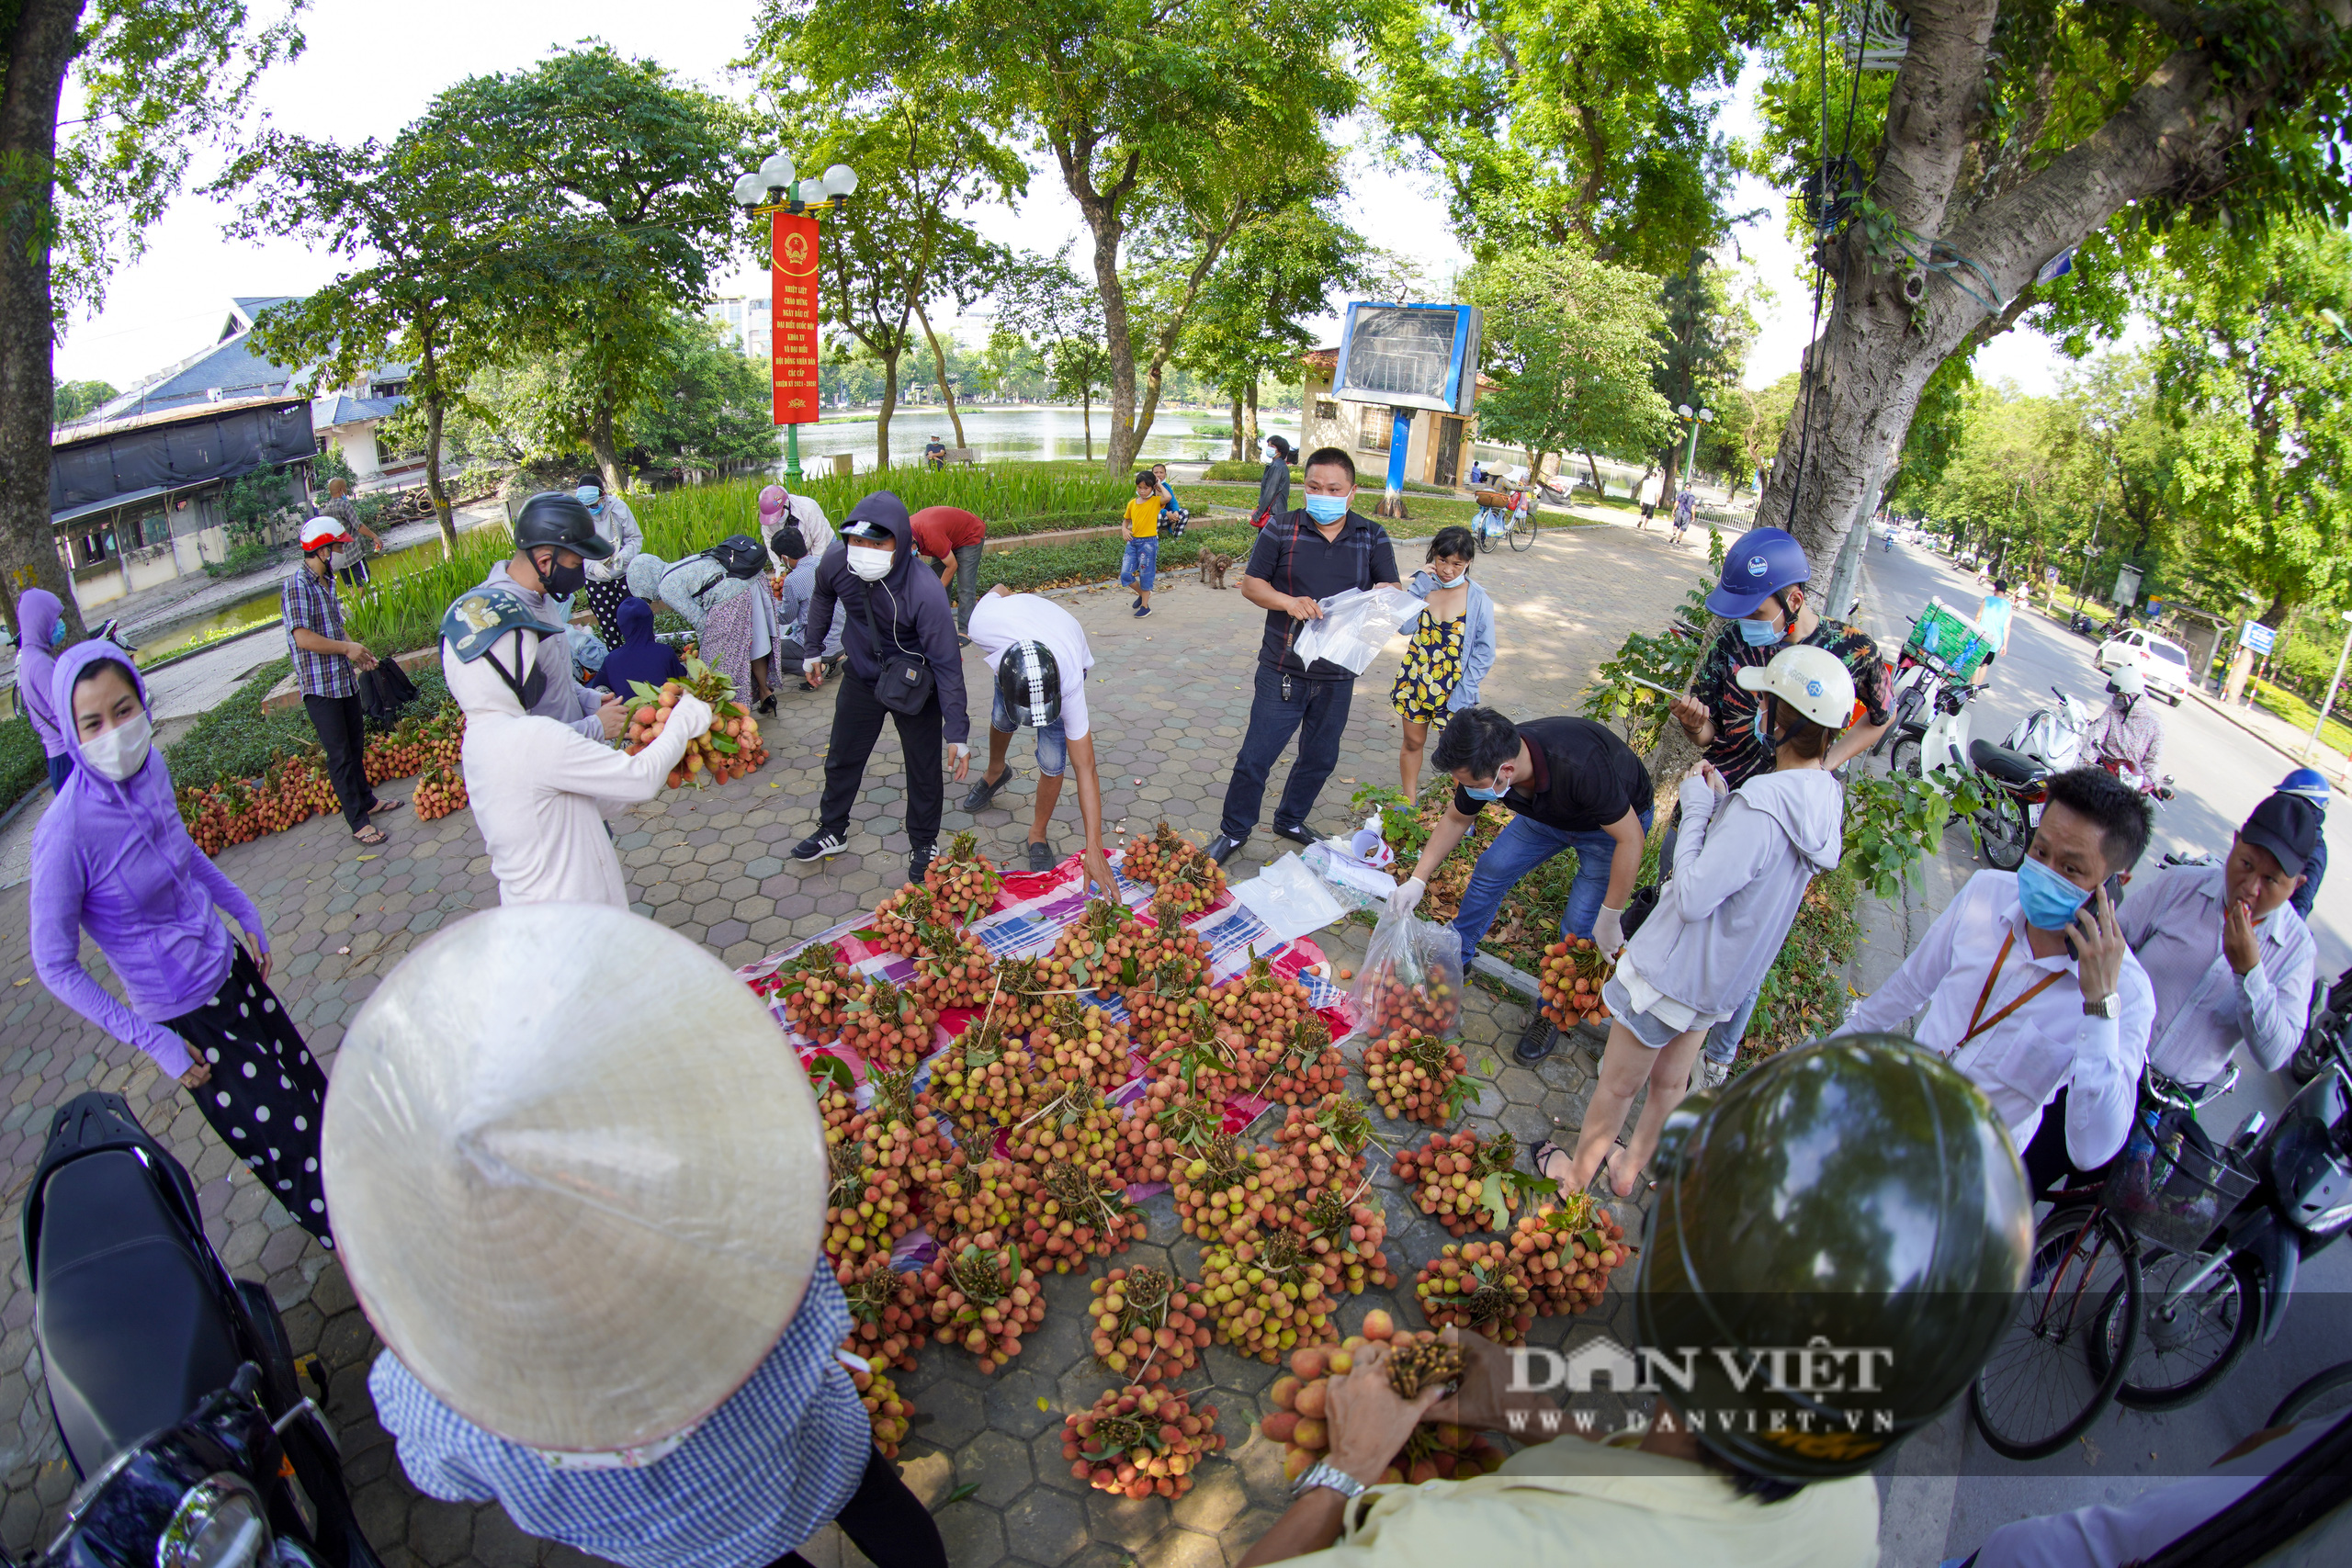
(1572, 340)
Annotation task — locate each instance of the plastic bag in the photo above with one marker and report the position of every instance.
(1356, 626)
(1411, 979)
(1289, 898)
(1354, 884)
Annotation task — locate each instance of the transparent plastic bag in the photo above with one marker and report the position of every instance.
(1411, 979)
(1356, 626)
(1290, 900)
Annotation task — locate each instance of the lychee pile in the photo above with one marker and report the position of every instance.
(1571, 977)
(1137, 1443)
(962, 882)
(1148, 1326)
(1418, 1077)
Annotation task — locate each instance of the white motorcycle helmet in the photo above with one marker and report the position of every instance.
(2127, 683)
(1808, 679)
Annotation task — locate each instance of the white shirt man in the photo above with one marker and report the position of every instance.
(2006, 1002)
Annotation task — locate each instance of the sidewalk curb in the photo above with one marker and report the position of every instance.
(2229, 712)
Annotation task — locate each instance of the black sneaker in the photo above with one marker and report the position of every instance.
(920, 862)
(982, 792)
(1301, 836)
(1536, 1041)
(1222, 848)
(818, 847)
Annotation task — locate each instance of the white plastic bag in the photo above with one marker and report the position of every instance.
(1289, 898)
(1354, 884)
(1356, 626)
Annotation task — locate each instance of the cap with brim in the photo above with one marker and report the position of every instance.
(866, 528)
(582, 1214)
(476, 619)
(2288, 826)
(1759, 563)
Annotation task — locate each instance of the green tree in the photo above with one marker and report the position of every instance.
(1044, 298)
(1250, 325)
(1703, 345)
(75, 398)
(1184, 117)
(1549, 122)
(712, 405)
(2016, 132)
(1573, 341)
(155, 80)
(615, 183)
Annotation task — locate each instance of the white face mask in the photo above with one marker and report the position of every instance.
(122, 750)
(869, 564)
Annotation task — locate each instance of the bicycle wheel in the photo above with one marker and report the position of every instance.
(1523, 530)
(2326, 1393)
(1486, 531)
(2187, 1345)
(2038, 1390)
(2005, 831)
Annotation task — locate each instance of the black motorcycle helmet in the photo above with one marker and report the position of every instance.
(1029, 683)
(556, 517)
(1837, 1245)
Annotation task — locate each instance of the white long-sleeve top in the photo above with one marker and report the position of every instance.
(2048, 1044)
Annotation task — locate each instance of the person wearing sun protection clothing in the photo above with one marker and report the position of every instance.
(112, 857)
(324, 661)
(40, 632)
(588, 1232)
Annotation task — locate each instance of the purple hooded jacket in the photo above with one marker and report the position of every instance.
(114, 859)
(37, 614)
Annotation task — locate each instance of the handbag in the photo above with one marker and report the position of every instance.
(905, 683)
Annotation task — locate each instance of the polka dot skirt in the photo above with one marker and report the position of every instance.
(266, 1092)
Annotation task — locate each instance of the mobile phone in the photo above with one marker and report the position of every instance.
(2113, 888)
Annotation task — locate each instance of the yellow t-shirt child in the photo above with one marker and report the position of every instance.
(1143, 518)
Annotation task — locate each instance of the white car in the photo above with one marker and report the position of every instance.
(2163, 663)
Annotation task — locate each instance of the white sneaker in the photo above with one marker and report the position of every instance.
(1713, 1073)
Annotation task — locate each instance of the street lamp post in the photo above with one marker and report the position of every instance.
(1690, 454)
(772, 190)
(2333, 682)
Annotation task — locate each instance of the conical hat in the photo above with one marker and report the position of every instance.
(575, 1174)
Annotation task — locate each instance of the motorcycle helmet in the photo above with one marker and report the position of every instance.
(2127, 683)
(1847, 1226)
(1759, 563)
(558, 518)
(1809, 680)
(2308, 782)
(1029, 683)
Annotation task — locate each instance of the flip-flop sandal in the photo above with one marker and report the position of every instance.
(383, 805)
(1542, 1153)
(363, 836)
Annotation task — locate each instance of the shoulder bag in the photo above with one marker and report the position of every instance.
(905, 683)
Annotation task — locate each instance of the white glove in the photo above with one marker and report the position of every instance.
(809, 666)
(957, 752)
(693, 714)
(1609, 930)
(1408, 896)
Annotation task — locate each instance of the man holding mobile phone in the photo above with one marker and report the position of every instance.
(2030, 988)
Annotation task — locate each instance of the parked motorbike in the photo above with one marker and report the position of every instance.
(2013, 786)
(110, 630)
(172, 1384)
(1915, 685)
(2330, 1027)
(2081, 625)
(2053, 734)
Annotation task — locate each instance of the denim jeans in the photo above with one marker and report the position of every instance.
(967, 584)
(1316, 712)
(1053, 747)
(1139, 566)
(1520, 848)
(1723, 1039)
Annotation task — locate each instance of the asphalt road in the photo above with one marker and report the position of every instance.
(2220, 773)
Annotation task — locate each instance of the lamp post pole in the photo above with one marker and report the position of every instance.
(2334, 680)
(773, 191)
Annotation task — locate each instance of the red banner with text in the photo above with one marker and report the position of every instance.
(794, 307)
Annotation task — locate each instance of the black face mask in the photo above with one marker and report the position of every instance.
(531, 687)
(563, 582)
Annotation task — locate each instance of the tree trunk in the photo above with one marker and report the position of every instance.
(1103, 217)
(433, 486)
(1239, 450)
(35, 53)
(1666, 490)
(1594, 469)
(939, 363)
(1250, 432)
(889, 403)
(600, 442)
(1086, 420)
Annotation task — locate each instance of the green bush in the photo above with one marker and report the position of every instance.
(332, 465)
(23, 766)
(248, 557)
(1015, 498)
(398, 613)
(1232, 471)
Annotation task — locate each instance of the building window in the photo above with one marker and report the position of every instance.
(1326, 410)
(1373, 435)
(155, 528)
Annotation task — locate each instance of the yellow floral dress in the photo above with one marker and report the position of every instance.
(1432, 664)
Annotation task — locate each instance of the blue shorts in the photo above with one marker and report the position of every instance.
(1052, 751)
(1141, 564)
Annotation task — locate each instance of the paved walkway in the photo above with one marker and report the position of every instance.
(1169, 698)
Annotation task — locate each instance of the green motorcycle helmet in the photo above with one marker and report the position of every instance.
(1836, 1244)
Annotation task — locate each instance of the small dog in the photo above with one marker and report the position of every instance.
(1212, 568)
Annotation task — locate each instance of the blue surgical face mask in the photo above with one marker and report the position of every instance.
(1760, 634)
(1501, 787)
(1326, 509)
(1757, 726)
(57, 635)
(2049, 901)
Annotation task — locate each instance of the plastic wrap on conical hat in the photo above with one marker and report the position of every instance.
(576, 1176)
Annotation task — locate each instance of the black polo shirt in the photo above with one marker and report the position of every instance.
(1293, 556)
(1585, 777)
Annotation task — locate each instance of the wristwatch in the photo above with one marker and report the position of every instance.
(1326, 1473)
(2108, 1006)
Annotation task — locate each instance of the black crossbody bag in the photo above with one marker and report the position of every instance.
(905, 684)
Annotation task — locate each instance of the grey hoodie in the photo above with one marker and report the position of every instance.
(1740, 870)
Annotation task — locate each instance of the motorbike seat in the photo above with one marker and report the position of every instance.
(133, 1330)
(2009, 767)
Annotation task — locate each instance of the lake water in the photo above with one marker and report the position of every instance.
(262, 607)
(1002, 434)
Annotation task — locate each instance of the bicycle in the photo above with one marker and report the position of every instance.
(2069, 1353)
(1523, 526)
(1498, 512)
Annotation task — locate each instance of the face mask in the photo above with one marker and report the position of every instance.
(2049, 901)
(1326, 509)
(1501, 787)
(1439, 572)
(561, 582)
(57, 637)
(120, 752)
(1759, 727)
(868, 564)
(590, 497)
(1760, 634)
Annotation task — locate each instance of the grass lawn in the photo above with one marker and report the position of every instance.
(2299, 714)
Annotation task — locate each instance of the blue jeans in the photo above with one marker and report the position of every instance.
(1053, 749)
(1520, 848)
(1316, 712)
(1140, 565)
